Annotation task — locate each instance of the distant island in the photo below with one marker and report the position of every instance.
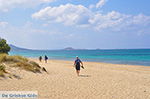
(69, 48)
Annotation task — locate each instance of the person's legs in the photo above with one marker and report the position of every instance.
(78, 71)
(45, 61)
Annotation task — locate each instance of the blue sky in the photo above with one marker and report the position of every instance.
(56, 24)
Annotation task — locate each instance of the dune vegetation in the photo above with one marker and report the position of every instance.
(4, 47)
(2, 70)
(17, 62)
(9, 63)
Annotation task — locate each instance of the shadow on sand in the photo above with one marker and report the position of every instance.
(84, 75)
(17, 77)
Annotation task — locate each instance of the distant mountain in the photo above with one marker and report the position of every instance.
(15, 48)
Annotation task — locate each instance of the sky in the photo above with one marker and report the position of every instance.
(85, 24)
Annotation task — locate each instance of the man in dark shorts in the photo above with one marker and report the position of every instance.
(40, 58)
(77, 63)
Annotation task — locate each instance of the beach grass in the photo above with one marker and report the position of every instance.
(2, 57)
(19, 62)
(2, 70)
(14, 59)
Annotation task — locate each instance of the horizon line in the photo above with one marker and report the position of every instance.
(78, 48)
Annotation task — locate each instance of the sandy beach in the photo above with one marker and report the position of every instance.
(96, 81)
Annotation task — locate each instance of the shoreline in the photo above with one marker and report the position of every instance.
(130, 57)
(93, 62)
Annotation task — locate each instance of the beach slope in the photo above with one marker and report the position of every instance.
(97, 81)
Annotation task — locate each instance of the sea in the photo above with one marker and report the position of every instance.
(114, 56)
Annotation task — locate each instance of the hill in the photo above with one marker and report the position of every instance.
(15, 48)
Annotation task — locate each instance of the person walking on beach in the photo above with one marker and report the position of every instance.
(77, 63)
(40, 58)
(46, 58)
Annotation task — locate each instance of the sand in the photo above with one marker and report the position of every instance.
(96, 81)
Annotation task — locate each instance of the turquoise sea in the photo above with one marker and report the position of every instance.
(115, 56)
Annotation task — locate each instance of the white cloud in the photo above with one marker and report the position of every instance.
(110, 20)
(81, 16)
(3, 24)
(117, 21)
(5, 5)
(68, 14)
(141, 19)
(100, 3)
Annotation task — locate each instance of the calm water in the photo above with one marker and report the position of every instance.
(122, 56)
